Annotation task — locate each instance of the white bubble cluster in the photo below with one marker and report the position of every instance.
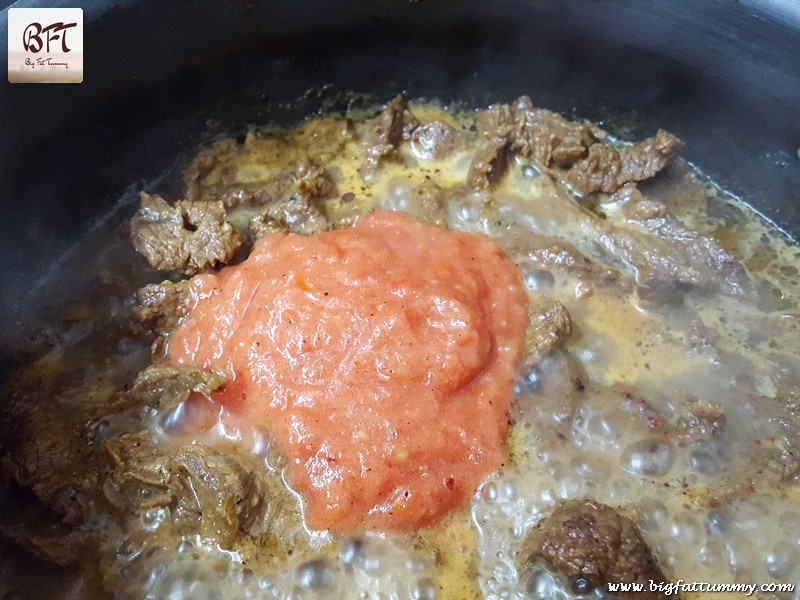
(368, 568)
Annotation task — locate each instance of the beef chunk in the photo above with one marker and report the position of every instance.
(385, 132)
(163, 386)
(294, 213)
(634, 206)
(545, 136)
(313, 182)
(500, 130)
(606, 169)
(256, 194)
(663, 256)
(263, 224)
(187, 237)
(308, 181)
(160, 306)
(203, 163)
(489, 163)
(499, 120)
(549, 325)
(323, 138)
(588, 540)
(542, 136)
(433, 140)
(208, 493)
(554, 254)
(54, 543)
(671, 257)
(546, 139)
(428, 205)
(54, 461)
(700, 260)
(44, 447)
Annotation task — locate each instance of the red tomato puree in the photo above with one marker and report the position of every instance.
(381, 359)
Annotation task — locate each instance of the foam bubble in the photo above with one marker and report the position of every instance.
(782, 560)
(538, 280)
(652, 457)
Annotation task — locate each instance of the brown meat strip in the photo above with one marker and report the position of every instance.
(589, 540)
(295, 214)
(662, 255)
(489, 163)
(549, 325)
(539, 134)
(160, 306)
(186, 238)
(203, 163)
(606, 169)
(545, 136)
(210, 493)
(546, 139)
(41, 450)
(386, 131)
(433, 140)
(307, 180)
(163, 386)
(313, 182)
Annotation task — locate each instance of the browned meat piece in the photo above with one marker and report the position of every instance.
(160, 306)
(262, 224)
(499, 120)
(661, 253)
(43, 450)
(429, 204)
(210, 493)
(385, 133)
(55, 543)
(551, 253)
(163, 386)
(433, 140)
(489, 163)
(634, 206)
(501, 130)
(314, 182)
(606, 169)
(589, 540)
(323, 138)
(546, 136)
(294, 213)
(187, 237)
(307, 180)
(255, 194)
(539, 134)
(705, 263)
(549, 325)
(203, 164)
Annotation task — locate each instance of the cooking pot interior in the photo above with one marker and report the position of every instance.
(161, 79)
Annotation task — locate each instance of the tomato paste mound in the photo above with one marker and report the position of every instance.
(381, 359)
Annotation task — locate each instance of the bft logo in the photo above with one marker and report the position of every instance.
(32, 37)
(45, 45)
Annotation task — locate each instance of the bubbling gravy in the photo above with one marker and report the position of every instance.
(669, 389)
